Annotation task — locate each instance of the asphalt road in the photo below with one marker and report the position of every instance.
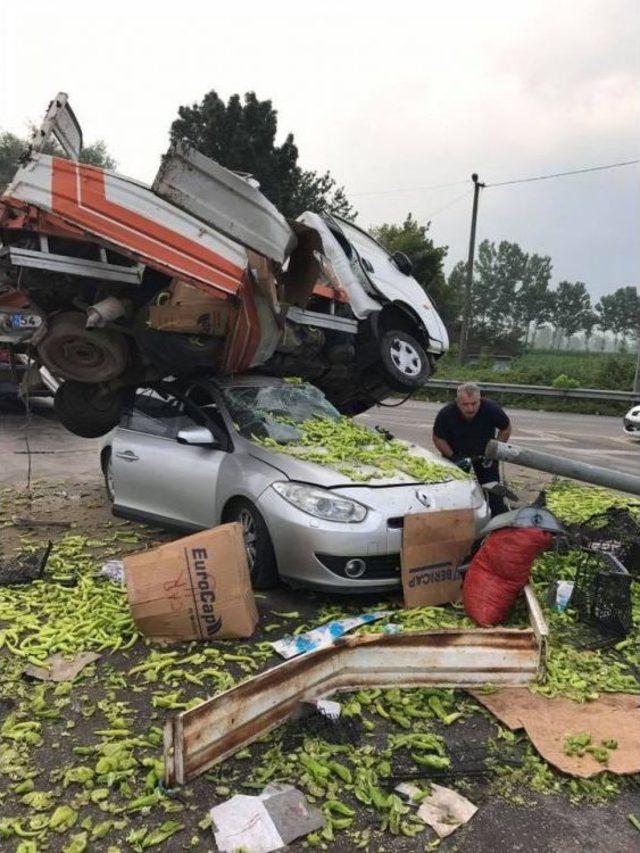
(57, 453)
(595, 439)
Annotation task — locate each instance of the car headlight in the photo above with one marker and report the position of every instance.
(321, 503)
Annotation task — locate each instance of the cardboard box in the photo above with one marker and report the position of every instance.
(433, 546)
(191, 311)
(196, 588)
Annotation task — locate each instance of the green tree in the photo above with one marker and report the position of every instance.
(572, 303)
(625, 312)
(12, 148)
(241, 136)
(427, 260)
(498, 277)
(606, 312)
(589, 321)
(532, 307)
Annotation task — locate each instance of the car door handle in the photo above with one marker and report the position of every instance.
(128, 456)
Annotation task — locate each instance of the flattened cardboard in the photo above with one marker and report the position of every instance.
(548, 721)
(59, 668)
(196, 588)
(433, 546)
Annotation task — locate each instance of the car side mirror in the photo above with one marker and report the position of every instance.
(197, 436)
(402, 262)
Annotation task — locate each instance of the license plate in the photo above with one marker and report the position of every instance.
(25, 321)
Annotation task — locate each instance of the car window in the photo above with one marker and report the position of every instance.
(154, 415)
(272, 411)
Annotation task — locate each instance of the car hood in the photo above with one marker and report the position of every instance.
(328, 476)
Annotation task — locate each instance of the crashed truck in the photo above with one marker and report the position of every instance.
(111, 284)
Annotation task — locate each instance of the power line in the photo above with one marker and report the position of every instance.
(411, 189)
(398, 190)
(449, 204)
(563, 174)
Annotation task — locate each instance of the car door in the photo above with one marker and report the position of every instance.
(155, 476)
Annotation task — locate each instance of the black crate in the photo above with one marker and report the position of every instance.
(602, 592)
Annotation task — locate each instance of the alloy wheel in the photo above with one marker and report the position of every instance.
(405, 357)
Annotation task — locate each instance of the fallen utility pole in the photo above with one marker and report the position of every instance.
(563, 467)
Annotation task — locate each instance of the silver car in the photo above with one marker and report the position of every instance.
(185, 459)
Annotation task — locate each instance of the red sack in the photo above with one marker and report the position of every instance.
(499, 571)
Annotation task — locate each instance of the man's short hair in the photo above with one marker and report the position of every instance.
(468, 389)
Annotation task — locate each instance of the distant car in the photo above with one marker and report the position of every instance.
(631, 423)
(185, 460)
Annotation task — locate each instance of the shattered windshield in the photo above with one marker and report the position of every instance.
(274, 411)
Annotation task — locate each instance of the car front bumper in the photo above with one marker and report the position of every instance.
(312, 552)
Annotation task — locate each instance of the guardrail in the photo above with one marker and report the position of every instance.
(543, 391)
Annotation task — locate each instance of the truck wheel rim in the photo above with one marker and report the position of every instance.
(405, 357)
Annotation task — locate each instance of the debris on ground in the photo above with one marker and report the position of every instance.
(24, 568)
(59, 668)
(196, 588)
(266, 822)
(557, 728)
(325, 635)
(81, 760)
(443, 809)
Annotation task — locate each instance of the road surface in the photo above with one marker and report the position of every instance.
(59, 454)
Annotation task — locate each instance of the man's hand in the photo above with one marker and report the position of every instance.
(463, 462)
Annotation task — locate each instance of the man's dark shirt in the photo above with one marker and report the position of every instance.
(469, 437)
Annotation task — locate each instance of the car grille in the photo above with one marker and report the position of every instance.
(631, 425)
(384, 566)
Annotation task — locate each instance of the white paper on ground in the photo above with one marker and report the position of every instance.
(445, 810)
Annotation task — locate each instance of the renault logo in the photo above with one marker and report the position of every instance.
(423, 497)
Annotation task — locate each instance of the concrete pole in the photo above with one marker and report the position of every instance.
(563, 467)
(466, 314)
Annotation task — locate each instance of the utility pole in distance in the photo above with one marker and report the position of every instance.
(466, 315)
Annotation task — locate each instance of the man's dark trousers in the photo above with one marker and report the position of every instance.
(491, 475)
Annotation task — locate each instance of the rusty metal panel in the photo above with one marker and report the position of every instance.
(197, 739)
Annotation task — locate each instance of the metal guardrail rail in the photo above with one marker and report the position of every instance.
(543, 391)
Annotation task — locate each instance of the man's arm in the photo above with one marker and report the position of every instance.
(443, 446)
(503, 434)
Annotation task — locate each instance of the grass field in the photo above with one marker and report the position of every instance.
(543, 367)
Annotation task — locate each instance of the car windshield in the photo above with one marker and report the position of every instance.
(273, 411)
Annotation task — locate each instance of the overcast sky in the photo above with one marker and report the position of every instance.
(391, 103)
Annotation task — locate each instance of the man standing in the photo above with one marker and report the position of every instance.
(463, 428)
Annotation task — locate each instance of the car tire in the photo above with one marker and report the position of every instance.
(107, 471)
(87, 410)
(404, 359)
(260, 554)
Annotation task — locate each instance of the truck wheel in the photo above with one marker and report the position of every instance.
(87, 410)
(72, 351)
(404, 360)
(260, 554)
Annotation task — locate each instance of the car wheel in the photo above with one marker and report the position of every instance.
(260, 554)
(404, 359)
(87, 410)
(107, 470)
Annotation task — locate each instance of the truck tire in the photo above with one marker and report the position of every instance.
(87, 410)
(72, 351)
(404, 359)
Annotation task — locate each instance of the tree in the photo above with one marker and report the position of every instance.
(241, 136)
(532, 306)
(625, 311)
(606, 312)
(572, 302)
(427, 260)
(499, 275)
(589, 321)
(12, 148)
